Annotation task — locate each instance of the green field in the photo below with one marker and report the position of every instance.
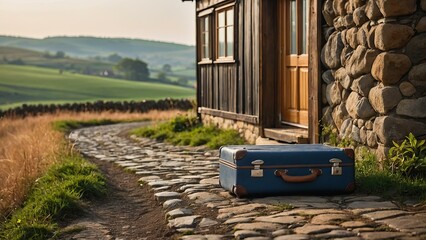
(33, 85)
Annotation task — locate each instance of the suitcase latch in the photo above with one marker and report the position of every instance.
(257, 171)
(336, 169)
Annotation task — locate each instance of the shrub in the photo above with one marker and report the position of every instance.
(409, 157)
(187, 130)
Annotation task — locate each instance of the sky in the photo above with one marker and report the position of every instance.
(162, 20)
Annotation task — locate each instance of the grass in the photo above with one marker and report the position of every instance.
(372, 179)
(30, 146)
(187, 130)
(55, 196)
(34, 85)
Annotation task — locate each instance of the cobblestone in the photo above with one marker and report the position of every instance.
(185, 179)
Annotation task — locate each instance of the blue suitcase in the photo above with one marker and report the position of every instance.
(250, 170)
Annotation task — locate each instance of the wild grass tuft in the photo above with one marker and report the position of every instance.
(372, 178)
(187, 130)
(55, 196)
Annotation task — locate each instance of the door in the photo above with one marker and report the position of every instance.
(293, 64)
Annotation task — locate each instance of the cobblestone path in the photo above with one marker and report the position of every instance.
(185, 182)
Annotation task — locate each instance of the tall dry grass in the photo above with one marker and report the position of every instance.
(28, 147)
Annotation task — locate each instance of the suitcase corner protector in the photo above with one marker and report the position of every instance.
(239, 191)
(240, 154)
(349, 152)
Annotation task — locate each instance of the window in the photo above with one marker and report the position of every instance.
(205, 38)
(225, 33)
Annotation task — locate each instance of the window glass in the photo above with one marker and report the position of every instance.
(205, 37)
(221, 42)
(225, 33)
(230, 41)
(305, 26)
(230, 17)
(293, 28)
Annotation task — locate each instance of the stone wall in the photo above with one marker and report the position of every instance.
(99, 106)
(249, 131)
(374, 62)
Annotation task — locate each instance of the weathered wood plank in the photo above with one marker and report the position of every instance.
(230, 115)
(268, 79)
(240, 58)
(314, 70)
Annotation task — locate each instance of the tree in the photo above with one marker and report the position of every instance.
(162, 76)
(60, 54)
(133, 69)
(114, 58)
(167, 68)
(182, 81)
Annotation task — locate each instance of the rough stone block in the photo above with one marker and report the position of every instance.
(383, 99)
(359, 16)
(392, 36)
(371, 139)
(339, 7)
(390, 67)
(363, 84)
(352, 104)
(415, 108)
(407, 89)
(351, 37)
(416, 48)
(417, 75)
(328, 12)
(421, 25)
(334, 94)
(373, 11)
(390, 129)
(364, 109)
(361, 61)
(339, 115)
(394, 8)
(332, 51)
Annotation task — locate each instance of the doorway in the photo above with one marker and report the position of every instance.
(293, 61)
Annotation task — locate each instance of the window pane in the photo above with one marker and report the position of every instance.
(293, 29)
(221, 19)
(305, 8)
(205, 47)
(230, 17)
(230, 41)
(221, 43)
(206, 23)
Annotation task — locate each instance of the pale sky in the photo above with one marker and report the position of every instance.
(163, 20)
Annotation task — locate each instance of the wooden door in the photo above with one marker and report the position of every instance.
(293, 38)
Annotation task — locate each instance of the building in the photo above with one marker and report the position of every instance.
(284, 69)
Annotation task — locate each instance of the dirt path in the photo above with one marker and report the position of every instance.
(127, 212)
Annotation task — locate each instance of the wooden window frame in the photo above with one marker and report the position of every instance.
(227, 58)
(208, 13)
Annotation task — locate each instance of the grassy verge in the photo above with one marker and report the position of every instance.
(29, 147)
(372, 178)
(187, 130)
(69, 125)
(55, 196)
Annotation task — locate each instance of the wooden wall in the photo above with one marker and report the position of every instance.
(234, 87)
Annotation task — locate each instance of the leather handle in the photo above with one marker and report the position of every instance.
(298, 179)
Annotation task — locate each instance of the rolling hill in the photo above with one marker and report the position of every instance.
(35, 58)
(155, 53)
(31, 85)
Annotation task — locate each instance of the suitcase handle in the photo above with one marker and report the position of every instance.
(298, 179)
